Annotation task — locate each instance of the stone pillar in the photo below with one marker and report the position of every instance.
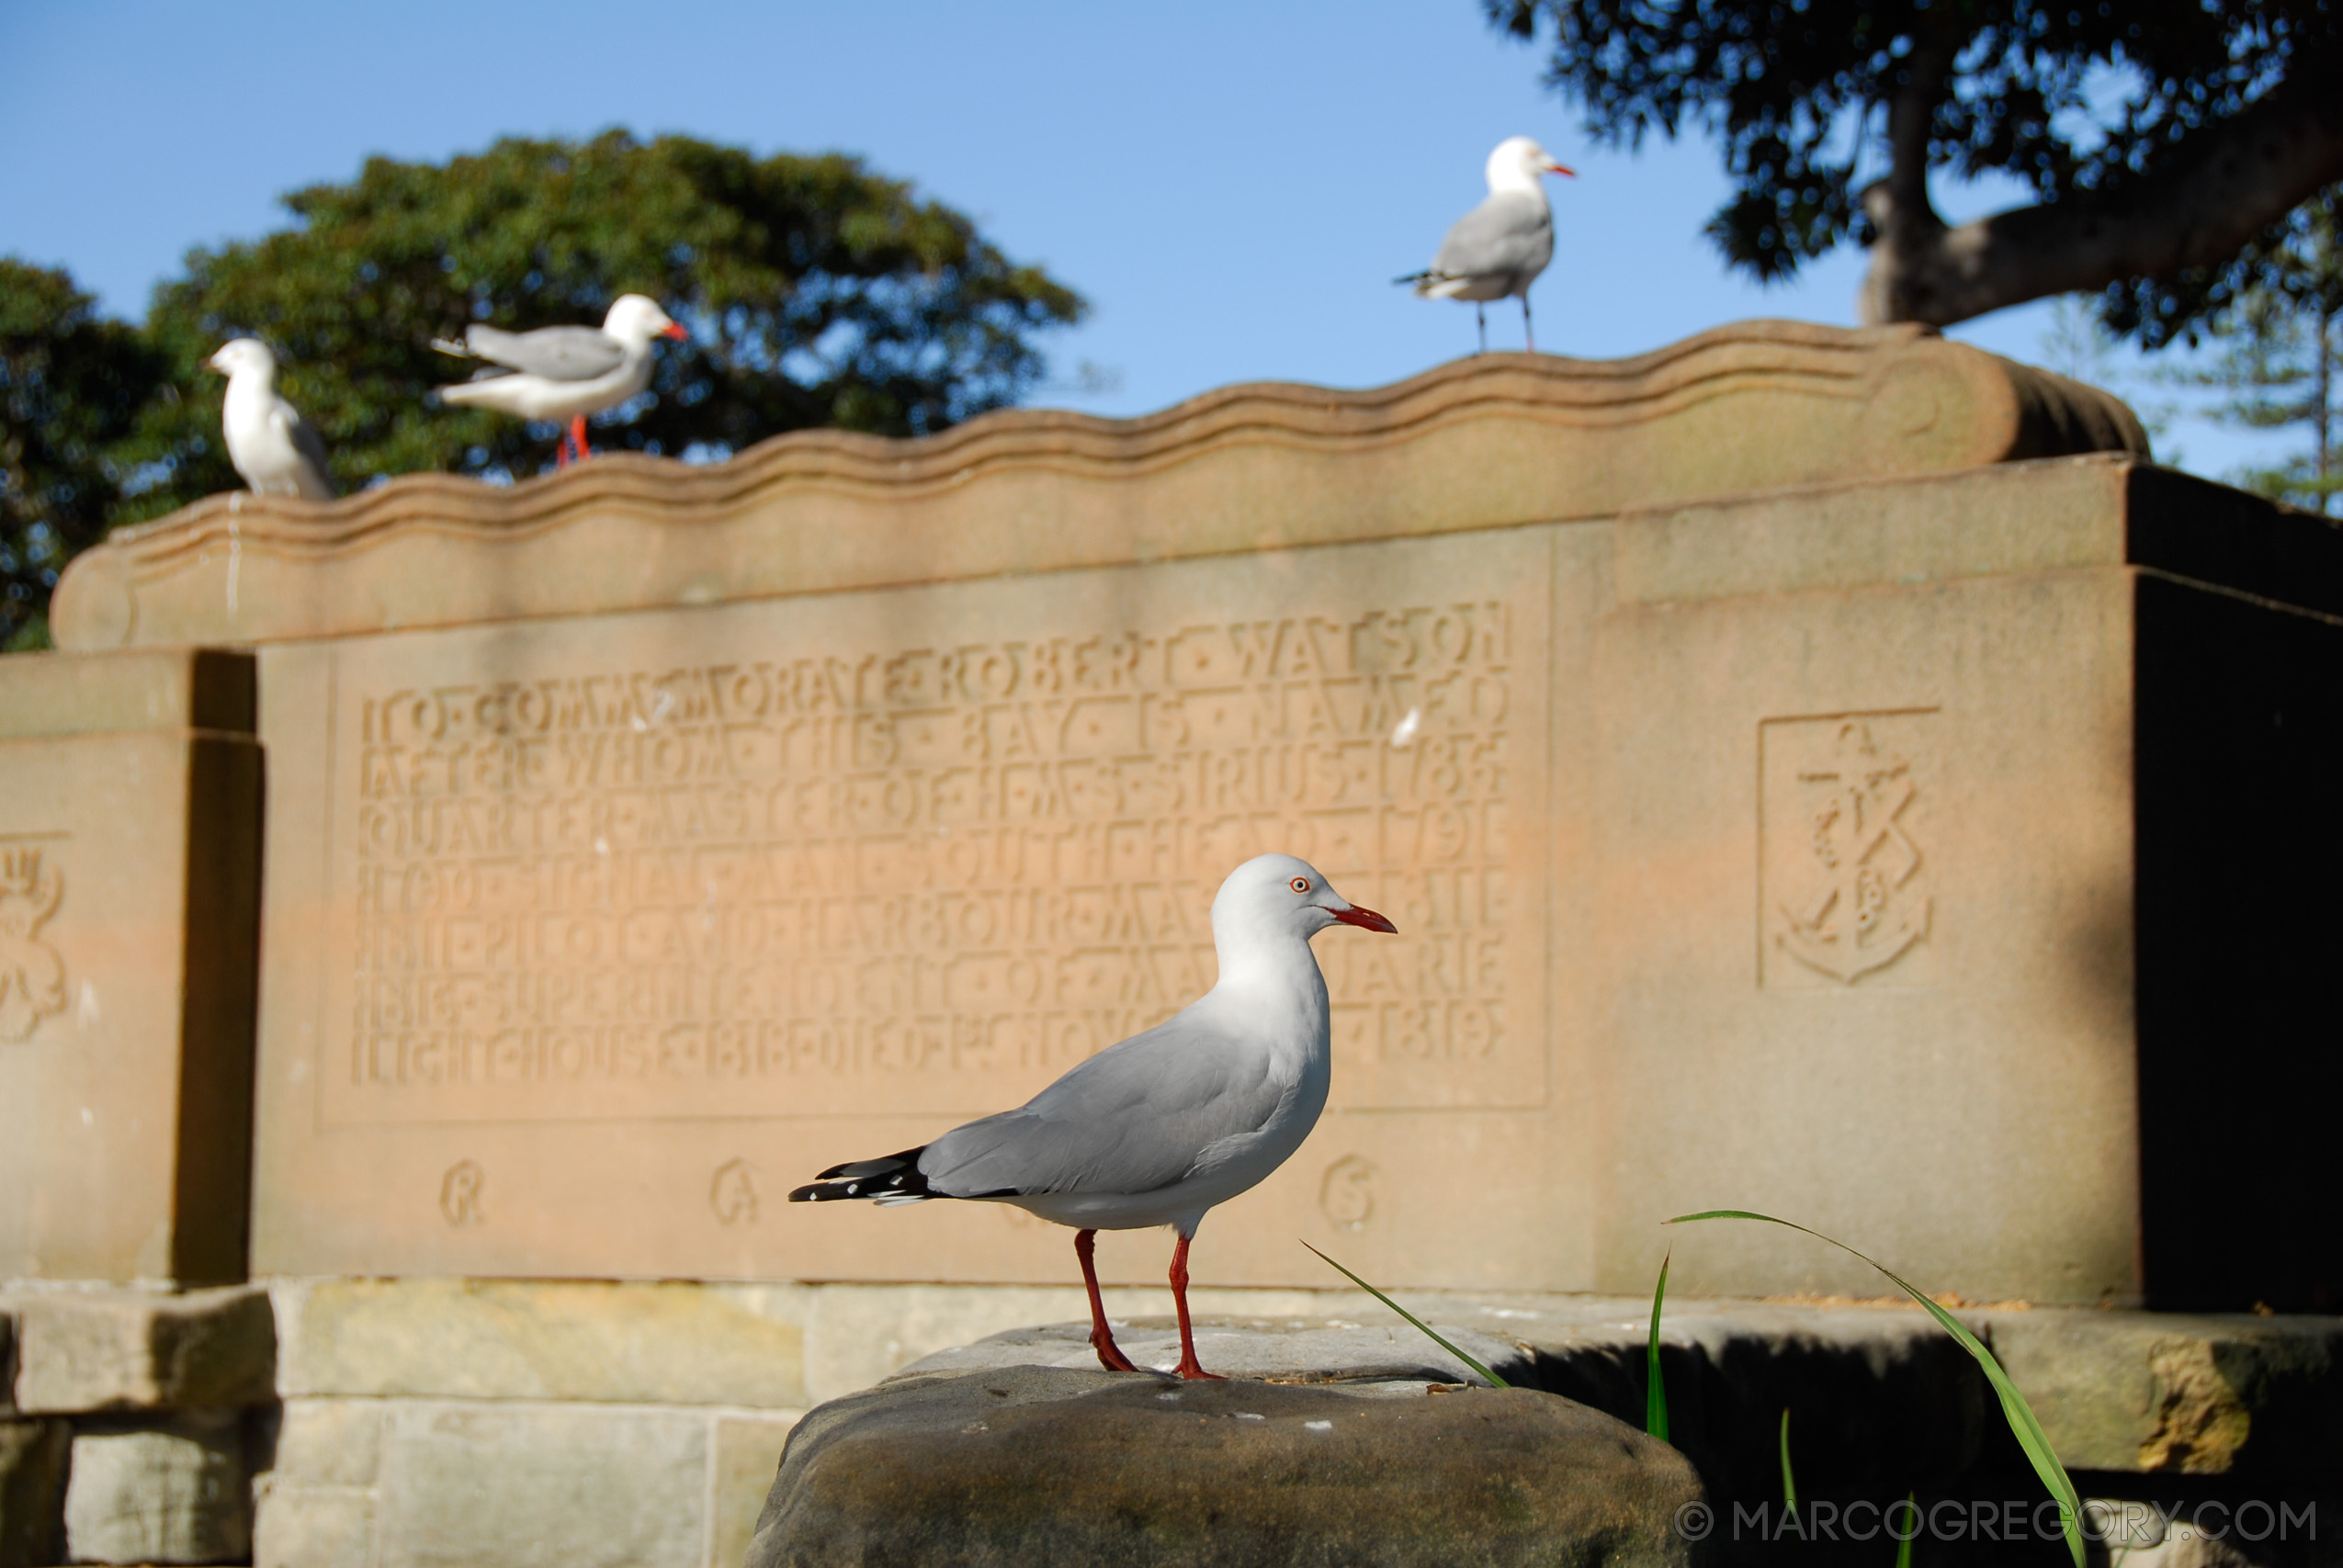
(129, 867)
(132, 1398)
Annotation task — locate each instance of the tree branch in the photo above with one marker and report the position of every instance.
(1898, 206)
(2232, 181)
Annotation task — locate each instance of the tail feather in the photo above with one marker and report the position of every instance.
(894, 1179)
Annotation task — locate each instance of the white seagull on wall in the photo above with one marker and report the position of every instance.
(1498, 248)
(275, 450)
(1159, 1129)
(563, 373)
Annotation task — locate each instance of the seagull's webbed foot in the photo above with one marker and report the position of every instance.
(1102, 1338)
(1110, 1355)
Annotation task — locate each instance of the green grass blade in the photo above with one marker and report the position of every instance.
(2014, 1408)
(1789, 1482)
(1655, 1392)
(1904, 1547)
(1421, 1326)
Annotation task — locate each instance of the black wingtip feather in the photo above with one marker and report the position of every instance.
(895, 1175)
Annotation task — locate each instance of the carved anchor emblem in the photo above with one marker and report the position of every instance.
(1863, 917)
(32, 977)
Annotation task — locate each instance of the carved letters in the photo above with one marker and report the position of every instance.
(966, 861)
(32, 976)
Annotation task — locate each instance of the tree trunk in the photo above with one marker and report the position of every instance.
(2229, 183)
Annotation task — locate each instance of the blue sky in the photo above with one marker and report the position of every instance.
(1232, 186)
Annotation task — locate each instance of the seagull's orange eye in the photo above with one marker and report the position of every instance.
(1301, 885)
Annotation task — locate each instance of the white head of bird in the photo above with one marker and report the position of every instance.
(637, 319)
(1517, 163)
(244, 357)
(1273, 900)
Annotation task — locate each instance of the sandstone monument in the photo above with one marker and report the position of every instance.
(1829, 773)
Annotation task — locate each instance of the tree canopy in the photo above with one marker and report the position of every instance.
(2165, 141)
(816, 292)
(72, 385)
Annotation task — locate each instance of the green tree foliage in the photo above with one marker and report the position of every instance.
(816, 293)
(2165, 141)
(2281, 345)
(72, 385)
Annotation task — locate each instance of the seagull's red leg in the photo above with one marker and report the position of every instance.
(577, 435)
(1102, 1338)
(1189, 1366)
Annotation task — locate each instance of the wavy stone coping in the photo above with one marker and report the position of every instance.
(1487, 442)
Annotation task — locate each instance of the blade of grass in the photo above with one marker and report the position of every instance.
(1421, 1326)
(2014, 1408)
(1655, 1392)
(1904, 1543)
(1789, 1482)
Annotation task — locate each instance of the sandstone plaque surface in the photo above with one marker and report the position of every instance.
(129, 824)
(751, 886)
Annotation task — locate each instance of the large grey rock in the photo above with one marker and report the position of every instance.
(1043, 1465)
(80, 1351)
(1296, 1349)
(32, 1492)
(178, 1493)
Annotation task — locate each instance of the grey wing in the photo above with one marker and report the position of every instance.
(318, 485)
(558, 353)
(1132, 1119)
(1509, 232)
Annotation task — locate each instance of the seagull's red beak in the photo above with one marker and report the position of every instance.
(676, 331)
(1366, 919)
(1559, 169)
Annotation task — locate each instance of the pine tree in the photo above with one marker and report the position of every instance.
(2281, 345)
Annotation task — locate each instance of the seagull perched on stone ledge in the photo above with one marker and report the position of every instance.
(1159, 1129)
(563, 372)
(1498, 248)
(275, 450)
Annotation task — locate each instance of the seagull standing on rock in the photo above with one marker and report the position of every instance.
(563, 372)
(1498, 248)
(1159, 1129)
(275, 450)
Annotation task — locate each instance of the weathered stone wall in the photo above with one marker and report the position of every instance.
(1750, 740)
(1740, 736)
(385, 1423)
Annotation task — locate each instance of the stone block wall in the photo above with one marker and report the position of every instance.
(132, 1423)
(586, 1423)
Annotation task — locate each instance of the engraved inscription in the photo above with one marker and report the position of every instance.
(1845, 884)
(733, 1193)
(460, 1194)
(1346, 1192)
(32, 976)
(969, 864)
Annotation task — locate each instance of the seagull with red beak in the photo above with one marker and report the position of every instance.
(1161, 1128)
(563, 373)
(1498, 248)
